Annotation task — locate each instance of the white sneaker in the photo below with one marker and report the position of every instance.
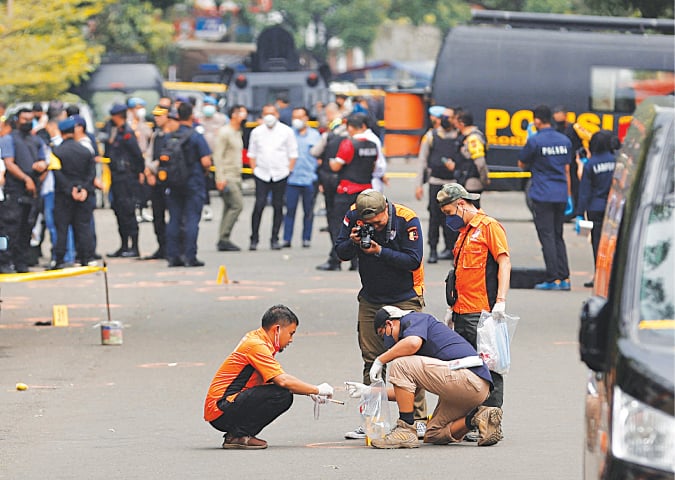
(207, 213)
(421, 428)
(356, 434)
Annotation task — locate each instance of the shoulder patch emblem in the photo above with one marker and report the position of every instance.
(412, 234)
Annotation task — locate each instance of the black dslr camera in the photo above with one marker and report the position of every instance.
(366, 233)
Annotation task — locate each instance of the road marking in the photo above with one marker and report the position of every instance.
(171, 364)
(335, 445)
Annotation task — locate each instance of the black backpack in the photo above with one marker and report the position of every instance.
(174, 166)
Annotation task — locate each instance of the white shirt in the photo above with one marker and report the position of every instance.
(381, 162)
(272, 149)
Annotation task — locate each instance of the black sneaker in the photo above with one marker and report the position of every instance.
(194, 263)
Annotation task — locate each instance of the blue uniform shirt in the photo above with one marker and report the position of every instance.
(595, 183)
(439, 341)
(546, 155)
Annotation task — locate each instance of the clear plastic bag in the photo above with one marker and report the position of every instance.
(493, 340)
(374, 409)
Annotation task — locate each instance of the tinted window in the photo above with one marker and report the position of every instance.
(622, 89)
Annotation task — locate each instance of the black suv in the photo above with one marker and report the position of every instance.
(627, 334)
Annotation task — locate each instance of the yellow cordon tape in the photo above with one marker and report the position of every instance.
(509, 174)
(657, 325)
(49, 274)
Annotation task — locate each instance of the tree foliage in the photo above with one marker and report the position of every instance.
(42, 47)
(134, 26)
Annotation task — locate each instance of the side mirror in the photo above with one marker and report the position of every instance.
(593, 333)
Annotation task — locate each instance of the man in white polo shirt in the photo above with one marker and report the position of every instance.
(272, 151)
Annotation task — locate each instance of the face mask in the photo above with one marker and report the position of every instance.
(209, 110)
(298, 124)
(445, 123)
(454, 222)
(269, 120)
(26, 127)
(389, 342)
(140, 114)
(560, 126)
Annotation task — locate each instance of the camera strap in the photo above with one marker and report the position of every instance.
(389, 221)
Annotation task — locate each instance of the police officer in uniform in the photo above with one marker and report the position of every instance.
(74, 172)
(126, 167)
(548, 155)
(438, 154)
(354, 162)
(24, 156)
(326, 149)
(471, 169)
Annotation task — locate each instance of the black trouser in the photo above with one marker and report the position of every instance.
(437, 220)
(596, 218)
(124, 190)
(158, 200)
(262, 190)
(18, 223)
(549, 218)
(252, 410)
(466, 324)
(78, 214)
(341, 205)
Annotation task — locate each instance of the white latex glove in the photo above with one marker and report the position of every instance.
(376, 371)
(325, 390)
(356, 389)
(499, 309)
(448, 317)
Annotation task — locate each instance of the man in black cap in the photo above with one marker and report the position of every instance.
(126, 167)
(387, 239)
(424, 353)
(74, 172)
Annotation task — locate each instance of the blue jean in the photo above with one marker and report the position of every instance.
(48, 210)
(185, 211)
(293, 194)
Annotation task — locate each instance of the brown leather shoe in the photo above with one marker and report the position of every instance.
(246, 442)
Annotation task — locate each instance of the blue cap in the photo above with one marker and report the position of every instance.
(182, 99)
(135, 101)
(436, 111)
(67, 125)
(79, 120)
(118, 108)
(210, 100)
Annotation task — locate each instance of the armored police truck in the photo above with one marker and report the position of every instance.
(277, 70)
(506, 63)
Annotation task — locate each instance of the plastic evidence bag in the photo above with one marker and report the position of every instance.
(493, 340)
(374, 409)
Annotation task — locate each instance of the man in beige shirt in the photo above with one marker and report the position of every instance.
(227, 156)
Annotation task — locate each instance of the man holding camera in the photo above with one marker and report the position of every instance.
(387, 239)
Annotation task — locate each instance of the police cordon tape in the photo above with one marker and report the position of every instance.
(50, 274)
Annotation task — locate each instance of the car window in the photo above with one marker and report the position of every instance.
(656, 272)
(656, 247)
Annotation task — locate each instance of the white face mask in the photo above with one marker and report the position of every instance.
(140, 113)
(269, 120)
(209, 110)
(298, 124)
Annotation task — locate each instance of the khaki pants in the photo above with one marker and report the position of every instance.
(459, 391)
(372, 345)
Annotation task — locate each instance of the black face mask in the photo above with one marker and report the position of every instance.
(25, 127)
(560, 126)
(445, 123)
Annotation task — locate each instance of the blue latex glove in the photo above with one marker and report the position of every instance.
(577, 227)
(570, 206)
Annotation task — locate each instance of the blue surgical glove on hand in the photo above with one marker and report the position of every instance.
(356, 389)
(570, 206)
(577, 225)
(376, 371)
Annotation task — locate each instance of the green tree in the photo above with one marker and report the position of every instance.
(42, 47)
(440, 13)
(355, 22)
(640, 8)
(135, 26)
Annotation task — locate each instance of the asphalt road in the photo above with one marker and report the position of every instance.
(135, 411)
